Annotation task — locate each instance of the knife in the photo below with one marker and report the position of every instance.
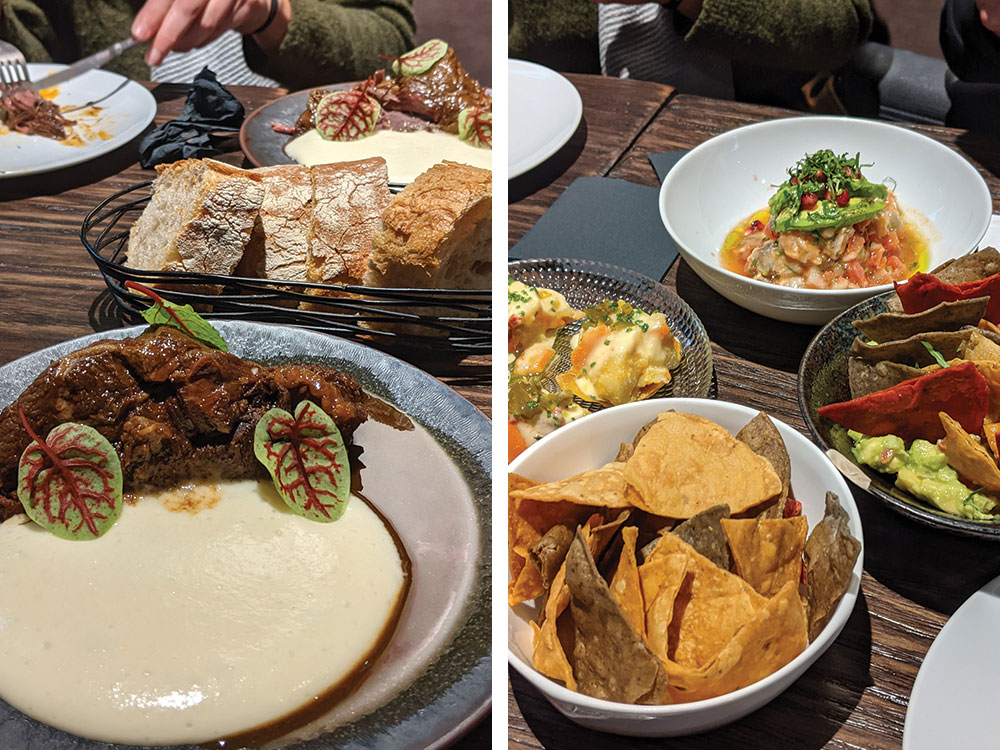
(96, 60)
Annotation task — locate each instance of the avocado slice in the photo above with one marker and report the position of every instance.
(827, 214)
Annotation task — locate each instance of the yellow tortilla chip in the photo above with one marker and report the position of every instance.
(991, 373)
(661, 578)
(967, 456)
(625, 586)
(710, 607)
(604, 487)
(773, 636)
(686, 463)
(767, 552)
(527, 522)
(979, 348)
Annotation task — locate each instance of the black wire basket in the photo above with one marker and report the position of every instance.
(454, 320)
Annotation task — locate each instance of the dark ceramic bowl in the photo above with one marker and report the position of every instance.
(432, 683)
(823, 380)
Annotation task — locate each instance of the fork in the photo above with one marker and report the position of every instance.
(13, 69)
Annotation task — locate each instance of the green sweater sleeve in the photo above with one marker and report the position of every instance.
(806, 35)
(329, 41)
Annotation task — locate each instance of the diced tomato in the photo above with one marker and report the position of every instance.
(855, 272)
(792, 508)
(894, 263)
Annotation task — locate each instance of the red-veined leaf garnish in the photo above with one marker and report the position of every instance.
(419, 59)
(71, 482)
(307, 460)
(475, 126)
(347, 115)
(183, 317)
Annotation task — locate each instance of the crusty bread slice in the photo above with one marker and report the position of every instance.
(283, 225)
(348, 199)
(437, 232)
(199, 218)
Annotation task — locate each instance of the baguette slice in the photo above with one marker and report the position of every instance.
(348, 199)
(199, 218)
(436, 233)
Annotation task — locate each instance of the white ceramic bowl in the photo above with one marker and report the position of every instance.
(727, 178)
(592, 442)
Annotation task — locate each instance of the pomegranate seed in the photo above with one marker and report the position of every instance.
(754, 226)
(809, 201)
(826, 194)
(843, 198)
(847, 171)
(820, 176)
(795, 180)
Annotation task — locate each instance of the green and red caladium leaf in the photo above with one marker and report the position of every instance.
(420, 59)
(475, 126)
(183, 317)
(307, 460)
(71, 482)
(347, 115)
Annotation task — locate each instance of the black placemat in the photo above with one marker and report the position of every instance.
(664, 162)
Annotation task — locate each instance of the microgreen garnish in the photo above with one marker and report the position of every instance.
(475, 127)
(618, 316)
(347, 115)
(307, 460)
(71, 482)
(419, 59)
(935, 353)
(183, 317)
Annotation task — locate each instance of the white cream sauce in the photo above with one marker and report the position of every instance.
(407, 155)
(180, 626)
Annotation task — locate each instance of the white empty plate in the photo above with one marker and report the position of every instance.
(545, 110)
(953, 702)
(122, 110)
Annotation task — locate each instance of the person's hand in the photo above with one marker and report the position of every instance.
(179, 25)
(989, 14)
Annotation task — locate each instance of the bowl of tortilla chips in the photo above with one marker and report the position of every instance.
(903, 392)
(675, 565)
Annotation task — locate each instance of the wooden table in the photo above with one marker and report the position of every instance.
(51, 291)
(855, 695)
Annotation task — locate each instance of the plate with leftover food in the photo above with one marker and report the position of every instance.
(675, 565)
(800, 218)
(239, 534)
(902, 392)
(71, 123)
(950, 702)
(422, 109)
(584, 335)
(545, 111)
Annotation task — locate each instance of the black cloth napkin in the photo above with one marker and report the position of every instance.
(607, 220)
(209, 109)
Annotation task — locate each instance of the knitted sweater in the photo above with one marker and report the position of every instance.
(327, 40)
(800, 35)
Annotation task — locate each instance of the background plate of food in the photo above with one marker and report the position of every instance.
(704, 521)
(431, 679)
(906, 402)
(800, 218)
(71, 123)
(584, 335)
(422, 109)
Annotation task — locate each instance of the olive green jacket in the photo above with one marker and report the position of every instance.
(327, 40)
(799, 35)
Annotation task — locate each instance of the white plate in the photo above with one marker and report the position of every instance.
(594, 441)
(545, 110)
(954, 697)
(125, 112)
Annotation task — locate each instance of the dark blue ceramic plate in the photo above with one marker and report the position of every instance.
(432, 683)
(823, 380)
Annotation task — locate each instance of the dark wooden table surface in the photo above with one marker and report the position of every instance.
(855, 695)
(51, 291)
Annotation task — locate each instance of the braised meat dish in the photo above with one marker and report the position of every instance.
(26, 112)
(174, 409)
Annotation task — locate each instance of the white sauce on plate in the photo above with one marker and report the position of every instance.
(179, 627)
(407, 155)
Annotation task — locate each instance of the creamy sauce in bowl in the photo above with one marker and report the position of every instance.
(407, 155)
(196, 620)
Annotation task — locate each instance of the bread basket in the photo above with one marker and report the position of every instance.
(454, 320)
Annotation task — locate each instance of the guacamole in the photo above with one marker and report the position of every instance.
(923, 471)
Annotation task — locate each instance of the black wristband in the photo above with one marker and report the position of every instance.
(672, 4)
(270, 17)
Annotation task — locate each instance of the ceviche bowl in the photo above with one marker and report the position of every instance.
(594, 441)
(725, 180)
